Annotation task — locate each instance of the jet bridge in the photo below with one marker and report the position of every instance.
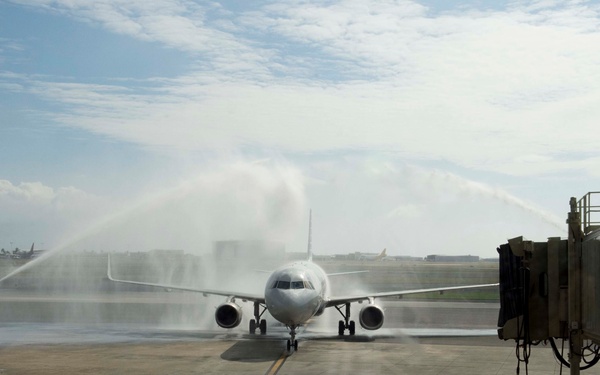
(551, 290)
(590, 265)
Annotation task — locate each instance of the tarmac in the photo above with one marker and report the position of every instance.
(333, 355)
(53, 334)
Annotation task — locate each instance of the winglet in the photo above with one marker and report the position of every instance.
(310, 254)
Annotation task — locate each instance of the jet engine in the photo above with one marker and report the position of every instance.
(371, 317)
(228, 315)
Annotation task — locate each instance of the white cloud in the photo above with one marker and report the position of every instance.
(32, 211)
(33, 192)
(308, 118)
(482, 89)
(176, 24)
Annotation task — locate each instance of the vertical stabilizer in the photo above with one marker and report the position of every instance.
(310, 255)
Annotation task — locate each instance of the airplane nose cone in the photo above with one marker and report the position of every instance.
(291, 306)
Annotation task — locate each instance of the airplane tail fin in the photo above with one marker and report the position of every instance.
(108, 270)
(31, 251)
(310, 254)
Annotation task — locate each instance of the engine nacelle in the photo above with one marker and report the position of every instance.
(371, 317)
(228, 315)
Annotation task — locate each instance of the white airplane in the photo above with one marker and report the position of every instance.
(374, 257)
(293, 295)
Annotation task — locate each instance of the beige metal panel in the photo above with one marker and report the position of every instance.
(538, 291)
(591, 288)
(557, 287)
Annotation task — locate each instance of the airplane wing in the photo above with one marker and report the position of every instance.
(335, 301)
(242, 296)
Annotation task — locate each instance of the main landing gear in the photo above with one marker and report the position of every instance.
(292, 342)
(346, 323)
(262, 324)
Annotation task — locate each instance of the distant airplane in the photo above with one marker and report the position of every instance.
(373, 257)
(18, 254)
(31, 253)
(294, 294)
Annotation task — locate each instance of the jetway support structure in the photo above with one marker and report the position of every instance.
(551, 290)
(574, 249)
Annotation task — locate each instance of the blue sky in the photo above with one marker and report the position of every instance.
(205, 120)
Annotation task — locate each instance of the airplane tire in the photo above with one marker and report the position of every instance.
(252, 326)
(289, 345)
(341, 327)
(296, 345)
(352, 328)
(263, 327)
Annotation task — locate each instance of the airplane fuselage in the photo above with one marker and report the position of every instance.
(296, 292)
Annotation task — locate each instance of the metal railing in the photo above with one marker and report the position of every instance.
(590, 213)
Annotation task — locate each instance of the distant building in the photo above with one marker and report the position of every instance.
(166, 253)
(403, 258)
(452, 258)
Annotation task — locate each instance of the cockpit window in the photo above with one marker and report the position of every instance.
(299, 284)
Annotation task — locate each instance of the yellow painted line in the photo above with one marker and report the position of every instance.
(277, 364)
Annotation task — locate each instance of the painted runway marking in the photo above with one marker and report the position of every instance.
(277, 364)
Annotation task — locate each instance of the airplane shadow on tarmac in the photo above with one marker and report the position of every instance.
(254, 351)
(263, 349)
(354, 338)
(271, 350)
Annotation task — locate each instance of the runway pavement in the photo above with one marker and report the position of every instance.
(417, 338)
(266, 355)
